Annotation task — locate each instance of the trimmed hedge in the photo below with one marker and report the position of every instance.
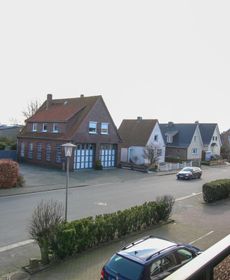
(9, 173)
(216, 190)
(79, 235)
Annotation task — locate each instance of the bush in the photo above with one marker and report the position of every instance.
(9, 173)
(20, 181)
(98, 165)
(77, 236)
(174, 160)
(216, 190)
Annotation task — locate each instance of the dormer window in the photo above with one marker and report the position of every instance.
(104, 128)
(35, 127)
(44, 127)
(169, 138)
(55, 128)
(92, 127)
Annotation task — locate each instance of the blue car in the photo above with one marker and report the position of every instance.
(149, 258)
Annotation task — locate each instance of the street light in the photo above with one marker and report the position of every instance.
(68, 147)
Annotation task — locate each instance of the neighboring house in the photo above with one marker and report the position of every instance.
(183, 141)
(211, 139)
(225, 138)
(136, 135)
(83, 121)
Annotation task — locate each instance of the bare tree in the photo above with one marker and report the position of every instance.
(151, 154)
(45, 219)
(31, 109)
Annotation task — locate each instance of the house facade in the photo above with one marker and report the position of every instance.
(225, 138)
(211, 139)
(138, 134)
(83, 121)
(183, 141)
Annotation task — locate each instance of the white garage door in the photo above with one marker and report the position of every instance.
(108, 155)
(84, 156)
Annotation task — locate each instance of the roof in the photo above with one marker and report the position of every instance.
(136, 132)
(146, 248)
(206, 131)
(61, 110)
(182, 132)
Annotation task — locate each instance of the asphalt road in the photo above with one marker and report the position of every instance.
(96, 198)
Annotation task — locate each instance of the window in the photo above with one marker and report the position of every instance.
(45, 127)
(39, 151)
(22, 152)
(162, 265)
(92, 127)
(169, 139)
(30, 151)
(48, 152)
(214, 138)
(104, 128)
(55, 127)
(58, 153)
(156, 137)
(35, 127)
(194, 151)
(184, 256)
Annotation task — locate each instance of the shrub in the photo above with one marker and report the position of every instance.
(20, 181)
(9, 173)
(98, 165)
(76, 236)
(216, 190)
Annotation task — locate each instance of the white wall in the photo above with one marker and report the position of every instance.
(216, 149)
(124, 154)
(195, 143)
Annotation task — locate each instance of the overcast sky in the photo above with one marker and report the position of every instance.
(168, 60)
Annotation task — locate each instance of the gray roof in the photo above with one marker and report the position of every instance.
(206, 131)
(183, 137)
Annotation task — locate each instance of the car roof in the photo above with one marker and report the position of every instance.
(143, 250)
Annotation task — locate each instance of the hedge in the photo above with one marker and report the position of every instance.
(216, 190)
(9, 173)
(77, 236)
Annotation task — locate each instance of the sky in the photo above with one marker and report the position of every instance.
(166, 60)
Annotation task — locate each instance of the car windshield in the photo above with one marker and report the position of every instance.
(125, 267)
(187, 169)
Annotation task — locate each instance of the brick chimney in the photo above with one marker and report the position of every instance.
(48, 101)
(139, 118)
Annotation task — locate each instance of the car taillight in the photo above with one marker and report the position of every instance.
(102, 274)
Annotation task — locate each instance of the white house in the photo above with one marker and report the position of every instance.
(136, 135)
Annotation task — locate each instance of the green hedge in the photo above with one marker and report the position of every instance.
(77, 236)
(216, 190)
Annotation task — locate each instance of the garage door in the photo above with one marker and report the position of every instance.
(84, 156)
(108, 155)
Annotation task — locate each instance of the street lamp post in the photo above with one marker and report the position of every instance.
(68, 148)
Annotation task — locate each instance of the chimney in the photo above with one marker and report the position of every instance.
(139, 118)
(197, 122)
(170, 124)
(82, 95)
(48, 101)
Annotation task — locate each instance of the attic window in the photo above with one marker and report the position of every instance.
(169, 138)
(104, 128)
(44, 127)
(92, 127)
(55, 127)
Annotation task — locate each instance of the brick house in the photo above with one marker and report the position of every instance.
(83, 121)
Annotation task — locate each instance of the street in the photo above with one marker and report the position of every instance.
(107, 196)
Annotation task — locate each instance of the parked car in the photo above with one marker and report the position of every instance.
(188, 173)
(149, 258)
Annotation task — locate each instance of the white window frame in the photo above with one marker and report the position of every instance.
(43, 126)
(35, 127)
(169, 139)
(55, 128)
(105, 129)
(93, 125)
(194, 151)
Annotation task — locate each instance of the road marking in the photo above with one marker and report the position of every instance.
(101, 203)
(187, 196)
(203, 236)
(15, 245)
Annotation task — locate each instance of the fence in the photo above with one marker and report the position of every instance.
(168, 166)
(8, 154)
